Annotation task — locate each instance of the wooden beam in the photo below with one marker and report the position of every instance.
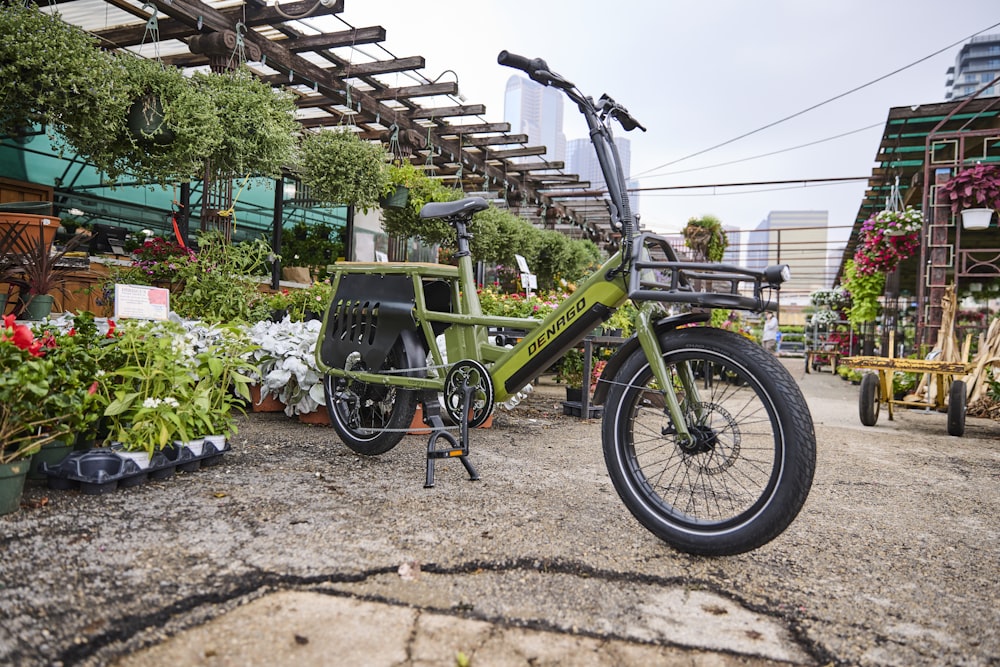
(332, 40)
(500, 140)
(449, 112)
(171, 28)
(446, 88)
(517, 152)
(474, 129)
(535, 166)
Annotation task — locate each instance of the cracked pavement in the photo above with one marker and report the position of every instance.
(294, 550)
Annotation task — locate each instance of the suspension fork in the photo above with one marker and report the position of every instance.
(650, 344)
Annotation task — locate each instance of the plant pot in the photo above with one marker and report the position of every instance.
(196, 446)
(574, 394)
(266, 404)
(217, 441)
(397, 199)
(12, 484)
(146, 121)
(39, 307)
(319, 417)
(52, 453)
(141, 459)
(32, 226)
(976, 218)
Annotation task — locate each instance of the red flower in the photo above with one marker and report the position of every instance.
(111, 329)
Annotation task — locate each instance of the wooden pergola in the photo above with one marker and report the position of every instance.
(335, 83)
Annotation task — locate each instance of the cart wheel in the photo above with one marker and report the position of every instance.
(870, 400)
(956, 408)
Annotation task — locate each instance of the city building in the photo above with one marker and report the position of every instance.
(536, 111)
(799, 239)
(582, 160)
(977, 64)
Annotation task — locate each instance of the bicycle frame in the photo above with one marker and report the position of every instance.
(546, 341)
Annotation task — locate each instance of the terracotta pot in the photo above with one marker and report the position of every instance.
(319, 417)
(32, 225)
(267, 404)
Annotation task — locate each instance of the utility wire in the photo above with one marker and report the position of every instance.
(817, 105)
(763, 155)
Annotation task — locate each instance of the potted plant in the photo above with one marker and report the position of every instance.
(29, 417)
(260, 125)
(897, 223)
(52, 74)
(340, 168)
(975, 189)
(286, 367)
(152, 392)
(221, 284)
(706, 238)
(163, 130)
(37, 272)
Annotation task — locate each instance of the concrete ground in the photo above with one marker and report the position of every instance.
(296, 551)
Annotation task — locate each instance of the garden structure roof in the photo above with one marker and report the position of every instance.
(339, 77)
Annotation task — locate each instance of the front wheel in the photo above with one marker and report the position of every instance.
(745, 472)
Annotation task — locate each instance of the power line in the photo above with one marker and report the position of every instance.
(819, 104)
(763, 155)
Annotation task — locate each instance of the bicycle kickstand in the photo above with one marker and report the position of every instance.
(459, 448)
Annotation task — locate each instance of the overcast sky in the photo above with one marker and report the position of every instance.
(697, 74)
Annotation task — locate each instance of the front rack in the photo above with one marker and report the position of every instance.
(657, 275)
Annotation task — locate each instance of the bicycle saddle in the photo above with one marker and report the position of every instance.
(462, 208)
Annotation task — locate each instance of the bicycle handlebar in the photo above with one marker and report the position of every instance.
(536, 68)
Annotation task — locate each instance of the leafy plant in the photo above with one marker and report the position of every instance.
(312, 246)
(864, 289)
(340, 168)
(285, 363)
(52, 73)
(163, 131)
(222, 285)
(29, 417)
(706, 238)
(260, 126)
(977, 186)
(33, 268)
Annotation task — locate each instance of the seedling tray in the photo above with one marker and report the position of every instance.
(104, 470)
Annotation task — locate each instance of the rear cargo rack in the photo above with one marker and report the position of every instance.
(657, 275)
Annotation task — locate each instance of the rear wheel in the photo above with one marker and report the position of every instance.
(745, 473)
(869, 399)
(956, 408)
(371, 418)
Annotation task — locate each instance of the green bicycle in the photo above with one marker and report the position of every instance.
(707, 438)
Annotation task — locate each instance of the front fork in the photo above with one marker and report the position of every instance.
(650, 344)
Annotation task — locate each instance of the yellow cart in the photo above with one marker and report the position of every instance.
(876, 388)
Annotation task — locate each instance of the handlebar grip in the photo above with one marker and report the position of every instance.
(513, 60)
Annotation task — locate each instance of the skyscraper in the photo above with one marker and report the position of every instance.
(536, 111)
(582, 160)
(799, 239)
(977, 64)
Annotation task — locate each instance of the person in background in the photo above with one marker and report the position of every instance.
(769, 339)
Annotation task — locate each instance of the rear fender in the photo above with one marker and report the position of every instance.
(632, 344)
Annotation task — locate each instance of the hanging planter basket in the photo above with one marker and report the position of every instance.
(146, 121)
(976, 218)
(397, 199)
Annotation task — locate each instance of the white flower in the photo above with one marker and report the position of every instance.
(151, 403)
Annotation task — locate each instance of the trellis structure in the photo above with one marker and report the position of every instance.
(334, 86)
